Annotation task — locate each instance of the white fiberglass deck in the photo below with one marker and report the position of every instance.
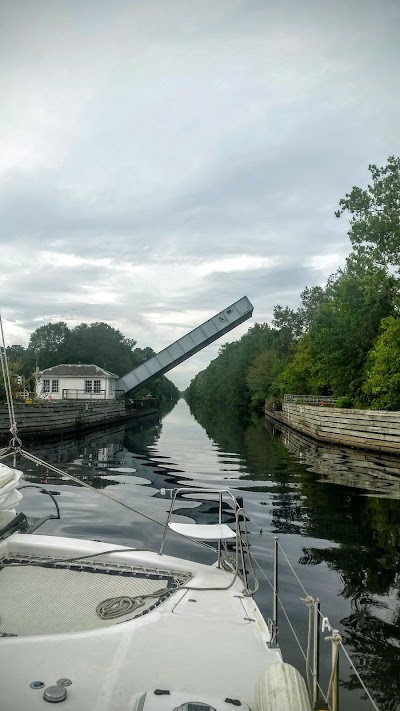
(201, 642)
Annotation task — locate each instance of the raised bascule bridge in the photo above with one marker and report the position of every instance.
(92, 410)
(188, 345)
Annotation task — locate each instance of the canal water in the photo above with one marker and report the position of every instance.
(336, 513)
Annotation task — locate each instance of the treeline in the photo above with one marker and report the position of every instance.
(344, 339)
(94, 343)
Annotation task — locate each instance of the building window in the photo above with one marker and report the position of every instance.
(88, 386)
(54, 386)
(96, 386)
(46, 386)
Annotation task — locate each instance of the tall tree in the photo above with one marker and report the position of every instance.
(382, 384)
(375, 215)
(15, 352)
(346, 327)
(48, 345)
(101, 344)
(262, 374)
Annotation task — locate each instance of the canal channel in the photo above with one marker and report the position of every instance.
(336, 512)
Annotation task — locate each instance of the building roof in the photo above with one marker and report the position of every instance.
(74, 370)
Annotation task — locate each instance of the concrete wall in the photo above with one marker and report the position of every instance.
(366, 429)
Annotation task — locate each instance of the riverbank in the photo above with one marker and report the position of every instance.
(74, 415)
(377, 430)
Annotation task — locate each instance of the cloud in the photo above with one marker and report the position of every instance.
(158, 161)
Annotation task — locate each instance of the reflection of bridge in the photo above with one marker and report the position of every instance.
(188, 345)
(341, 465)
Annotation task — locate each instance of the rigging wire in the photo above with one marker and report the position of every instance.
(41, 462)
(7, 385)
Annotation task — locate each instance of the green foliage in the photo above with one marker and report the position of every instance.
(344, 402)
(48, 345)
(375, 215)
(14, 367)
(15, 352)
(299, 321)
(262, 375)
(382, 384)
(300, 376)
(225, 378)
(101, 344)
(346, 327)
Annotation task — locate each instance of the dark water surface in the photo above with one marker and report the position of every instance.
(336, 512)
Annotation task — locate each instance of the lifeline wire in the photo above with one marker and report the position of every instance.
(291, 627)
(349, 659)
(322, 617)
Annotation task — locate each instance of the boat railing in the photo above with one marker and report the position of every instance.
(220, 532)
(318, 626)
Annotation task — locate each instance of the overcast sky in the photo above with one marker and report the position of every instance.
(159, 159)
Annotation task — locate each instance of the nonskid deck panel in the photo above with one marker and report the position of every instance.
(41, 596)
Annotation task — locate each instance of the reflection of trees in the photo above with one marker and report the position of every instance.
(368, 635)
(142, 434)
(167, 405)
(205, 511)
(364, 529)
(225, 428)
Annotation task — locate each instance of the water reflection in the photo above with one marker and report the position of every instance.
(354, 522)
(341, 530)
(367, 470)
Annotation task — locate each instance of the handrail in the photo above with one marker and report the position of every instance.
(79, 394)
(317, 399)
(242, 541)
(198, 490)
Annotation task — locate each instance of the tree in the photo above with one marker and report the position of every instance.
(101, 344)
(300, 376)
(289, 320)
(262, 374)
(47, 346)
(14, 368)
(375, 215)
(15, 352)
(49, 337)
(382, 384)
(346, 327)
(299, 321)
